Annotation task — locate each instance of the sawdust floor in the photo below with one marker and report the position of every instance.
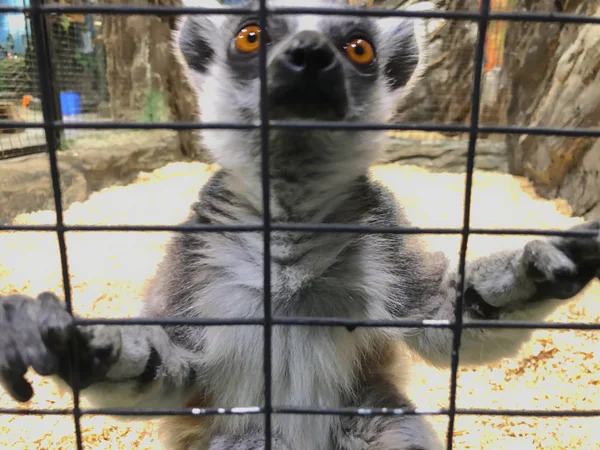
(557, 370)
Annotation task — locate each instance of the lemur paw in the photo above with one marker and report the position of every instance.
(562, 266)
(39, 333)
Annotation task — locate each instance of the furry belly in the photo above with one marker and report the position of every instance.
(312, 367)
(300, 432)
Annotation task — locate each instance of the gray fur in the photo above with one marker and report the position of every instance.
(316, 177)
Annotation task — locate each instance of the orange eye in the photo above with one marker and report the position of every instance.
(248, 39)
(360, 51)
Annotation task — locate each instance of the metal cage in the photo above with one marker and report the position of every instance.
(53, 125)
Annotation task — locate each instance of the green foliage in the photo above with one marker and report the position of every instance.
(65, 23)
(12, 66)
(88, 62)
(14, 75)
(155, 108)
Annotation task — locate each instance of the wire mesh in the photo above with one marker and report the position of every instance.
(51, 123)
(19, 85)
(47, 89)
(76, 46)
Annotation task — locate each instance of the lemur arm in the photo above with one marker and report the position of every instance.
(523, 284)
(118, 365)
(150, 371)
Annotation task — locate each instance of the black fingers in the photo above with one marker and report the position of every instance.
(55, 322)
(562, 267)
(582, 249)
(12, 367)
(23, 323)
(546, 262)
(568, 286)
(41, 334)
(98, 348)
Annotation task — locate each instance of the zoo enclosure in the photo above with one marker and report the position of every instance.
(52, 124)
(79, 64)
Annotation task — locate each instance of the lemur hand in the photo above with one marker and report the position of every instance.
(553, 268)
(39, 333)
(562, 266)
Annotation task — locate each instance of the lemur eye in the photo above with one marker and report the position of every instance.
(248, 39)
(360, 51)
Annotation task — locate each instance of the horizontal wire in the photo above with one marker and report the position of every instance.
(137, 228)
(314, 228)
(434, 412)
(253, 410)
(310, 125)
(524, 16)
(338, 322)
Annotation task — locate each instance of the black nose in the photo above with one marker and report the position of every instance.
(306, 79)
(309, 54)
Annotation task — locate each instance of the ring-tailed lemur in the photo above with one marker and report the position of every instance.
(320, 68)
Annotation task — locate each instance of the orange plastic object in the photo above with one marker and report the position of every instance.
(25, 101)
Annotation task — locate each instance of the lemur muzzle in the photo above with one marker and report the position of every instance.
(308, 75)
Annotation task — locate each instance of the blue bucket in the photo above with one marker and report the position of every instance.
(70, 103)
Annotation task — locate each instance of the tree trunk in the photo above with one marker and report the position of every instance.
(554, 74)
(142, 67)
(180, 97)
(126, 46)
(443, 95)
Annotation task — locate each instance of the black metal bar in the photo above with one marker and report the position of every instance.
(52, 57)
(333, 321)
(252, 410)
(317, 228)
(44, 65)
(264, 135)
(523, 16)
(473, 134)
(13, 9)
(338, 322)
(309, 125)
(140, 228)
(434, 412)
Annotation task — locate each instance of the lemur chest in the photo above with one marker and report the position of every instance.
(313, 275)
(311, 366)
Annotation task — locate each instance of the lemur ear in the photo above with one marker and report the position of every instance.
(195, 35)
(402, 49)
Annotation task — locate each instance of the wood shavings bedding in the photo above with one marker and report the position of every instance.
(557, 370)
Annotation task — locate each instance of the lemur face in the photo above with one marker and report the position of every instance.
(318, 67)
(335, 68)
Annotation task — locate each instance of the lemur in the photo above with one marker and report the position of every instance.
(335, 68)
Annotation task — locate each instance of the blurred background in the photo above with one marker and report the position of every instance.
(117, 67)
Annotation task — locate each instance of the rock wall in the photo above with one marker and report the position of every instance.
(85, 168)
(445, 155)
(555, 83)
(549, 78)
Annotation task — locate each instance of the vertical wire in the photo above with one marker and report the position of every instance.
(473, 133)
(41, 40)
(264, 133)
